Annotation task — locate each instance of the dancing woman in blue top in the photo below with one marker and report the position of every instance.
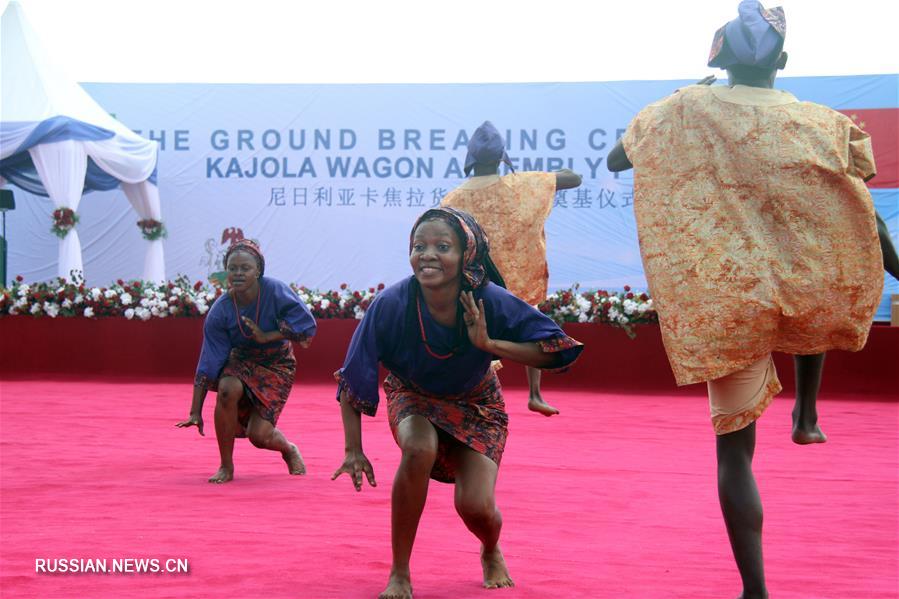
(437, 333)
(248, 358)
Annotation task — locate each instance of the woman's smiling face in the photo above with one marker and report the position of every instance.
(436, 255)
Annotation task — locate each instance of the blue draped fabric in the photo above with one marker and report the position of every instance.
(18, 167)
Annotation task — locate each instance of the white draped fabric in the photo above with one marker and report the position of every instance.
(39, 107)
(61, 167)
(144, 197)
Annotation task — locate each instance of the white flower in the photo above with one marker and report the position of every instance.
(78, 299)
(358, 312)
(342, 304)
(35, 308)
(582, 318)
(24, 289)
(110, 293)
(210, 297)
(614, 299)
(13, 311)
(20, 303)
(325, 304)
(202, 308)
(88, 312)
(144, 302)
(629, 306)
(126, 299)
(143, 313)
(173, 309)
(51, 309)
(622, 319)
(154, 311)
(176, 291)
(96, 293)
(129, 313)
(67, 303)
(613, 313)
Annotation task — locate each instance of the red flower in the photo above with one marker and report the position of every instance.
(644, 297)
(198, 285)
(629, 295)
(627, 287)
(20, 278)
(380, 286)
(343, 285)
(120, 282)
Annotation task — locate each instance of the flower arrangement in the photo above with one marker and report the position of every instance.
(152, 229)
(343, 303)
(140, 300)
(64, 220)
(143, 300)
(619, 309)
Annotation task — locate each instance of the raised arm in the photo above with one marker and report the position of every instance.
(617, 159)
(567, 179)
(527, 352)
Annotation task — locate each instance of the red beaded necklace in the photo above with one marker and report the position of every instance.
(424, 337)
(237, 312)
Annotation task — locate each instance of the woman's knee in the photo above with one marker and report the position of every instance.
(230, 389)
(477, 506)
(259, 438)
(419, 452)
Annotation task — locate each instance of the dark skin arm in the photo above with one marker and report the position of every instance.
(355, 464)
(196, 411)
(617, 159)
(527, 353)
(567, 179)
(890, 259)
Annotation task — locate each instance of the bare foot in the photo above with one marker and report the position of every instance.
(222, 475)
(806, 435)
(536, 404)
(496, 574)
(398, 587)
(295, 464)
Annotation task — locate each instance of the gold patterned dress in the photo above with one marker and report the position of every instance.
(756, 229)
(512, 211)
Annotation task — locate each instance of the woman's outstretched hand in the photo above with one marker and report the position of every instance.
(475, 320)
(354, 464)
(194, 420)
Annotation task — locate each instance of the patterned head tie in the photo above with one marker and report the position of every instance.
(486, 146)
(755, 38)
(476, 254)
(249, 246)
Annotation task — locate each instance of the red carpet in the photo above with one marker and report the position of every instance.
(614, 498)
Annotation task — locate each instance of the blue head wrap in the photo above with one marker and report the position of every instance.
(755, 38)
(486, 146)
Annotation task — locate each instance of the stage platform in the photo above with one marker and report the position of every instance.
(167, 349)
(615, 497)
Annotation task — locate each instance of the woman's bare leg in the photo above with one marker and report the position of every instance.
(475, 502)
(264, 435)
(535, 399)
(741, 506)
(805, 412)
(417, 439)
(230, 390)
